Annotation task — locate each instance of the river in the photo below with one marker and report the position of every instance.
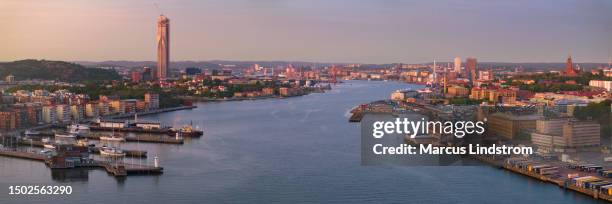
(299, 149)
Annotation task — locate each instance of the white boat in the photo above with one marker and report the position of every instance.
(49, 146)
(112, 138)
(79, 126)
(65, 135)
(78, 129)
(32, 133)
(111, 152)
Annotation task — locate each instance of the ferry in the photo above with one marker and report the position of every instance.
(113, 138)
(111, 152)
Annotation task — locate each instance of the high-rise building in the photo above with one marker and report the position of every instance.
(458, 64)
(471, 67)
(163, 46)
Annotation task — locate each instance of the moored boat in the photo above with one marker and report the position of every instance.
(78, 129)
(113, 138)
(32, 133)
(65, 135)
(111, 152)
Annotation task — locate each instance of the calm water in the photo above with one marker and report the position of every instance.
(281, 151)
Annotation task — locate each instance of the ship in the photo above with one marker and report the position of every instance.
(111, 152)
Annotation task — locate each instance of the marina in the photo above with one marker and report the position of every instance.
(115, 169)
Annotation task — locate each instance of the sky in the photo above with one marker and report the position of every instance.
(349, 31)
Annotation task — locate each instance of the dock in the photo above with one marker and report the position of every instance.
(559, 181)
(119, 169)
(95, 150)
(145, 139)
(161, 110)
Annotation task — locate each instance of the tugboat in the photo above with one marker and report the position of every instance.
(111, 152)
(188, 131)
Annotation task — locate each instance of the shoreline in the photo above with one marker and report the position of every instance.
(559, 182)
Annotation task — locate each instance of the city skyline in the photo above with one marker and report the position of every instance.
(336, 31)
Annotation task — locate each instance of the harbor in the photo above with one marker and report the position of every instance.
(117, 169)
(73, 146)
(588, 179)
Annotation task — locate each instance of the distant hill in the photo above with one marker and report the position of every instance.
(54, 70)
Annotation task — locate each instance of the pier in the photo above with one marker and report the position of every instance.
(95, 150)
(118, 169)
(559, 181)
(144, 138)
(162, 110)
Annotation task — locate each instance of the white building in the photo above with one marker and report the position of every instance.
(601, 84)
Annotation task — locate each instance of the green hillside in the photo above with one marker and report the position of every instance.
(54, 70)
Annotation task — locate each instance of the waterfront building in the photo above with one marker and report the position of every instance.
(284, 91)
(117, 107)
(402, 95)
(77, 112)
(141, 106)
(511, 126)
(581, 134)
(104, 108)
(91, 110)
(457, 91)
(163, 46)
(267, 91)
(548, 135)
(458, 64)
(152, 99)
(129, 105)
(49, 114)
(62, 113)
(8, 120)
